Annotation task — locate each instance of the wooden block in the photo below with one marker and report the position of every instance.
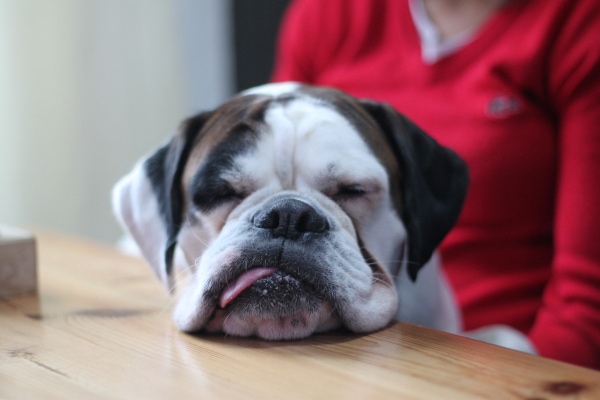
(17, 262)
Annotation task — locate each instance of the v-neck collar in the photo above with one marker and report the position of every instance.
(433, 46)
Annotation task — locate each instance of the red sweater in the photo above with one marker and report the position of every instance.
(521, 104)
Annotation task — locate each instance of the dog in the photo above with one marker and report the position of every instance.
(298, 209)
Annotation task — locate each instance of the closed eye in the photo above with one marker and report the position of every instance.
(210, 196)
(349, 192)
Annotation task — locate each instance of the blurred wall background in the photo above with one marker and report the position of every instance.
(89, 86)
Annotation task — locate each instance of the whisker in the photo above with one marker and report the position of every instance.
(203, 242)
(386, 283)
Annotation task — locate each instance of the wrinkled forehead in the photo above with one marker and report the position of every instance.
(310, 140)
(289, 136)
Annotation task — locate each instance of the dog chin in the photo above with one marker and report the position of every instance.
(297, 325)
(275, 307)
(266, 320)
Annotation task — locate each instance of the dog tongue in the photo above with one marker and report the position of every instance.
(243, 282)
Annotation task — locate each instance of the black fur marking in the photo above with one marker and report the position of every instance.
(433, 186)
(166, 167)
(209, 188)
(155, 171)
(164, 170)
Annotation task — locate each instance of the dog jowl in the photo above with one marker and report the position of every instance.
(295, 209)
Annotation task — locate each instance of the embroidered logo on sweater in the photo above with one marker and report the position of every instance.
(503, 106)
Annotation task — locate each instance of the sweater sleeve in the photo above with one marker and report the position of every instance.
(567, 326)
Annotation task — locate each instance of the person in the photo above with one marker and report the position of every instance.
(514, 88)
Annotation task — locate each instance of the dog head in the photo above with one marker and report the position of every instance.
(292, 206)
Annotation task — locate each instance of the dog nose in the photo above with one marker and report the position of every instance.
(290, 219)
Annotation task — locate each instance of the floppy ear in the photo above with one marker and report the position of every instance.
(149, 201)
(434, 183)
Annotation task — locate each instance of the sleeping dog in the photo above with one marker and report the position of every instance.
(298, 209)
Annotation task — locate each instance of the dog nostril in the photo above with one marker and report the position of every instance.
(266, 219)
(310, 221)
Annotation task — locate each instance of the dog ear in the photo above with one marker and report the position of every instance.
(149, 201)
(433, 186)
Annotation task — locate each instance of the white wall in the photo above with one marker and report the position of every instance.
(87, 87)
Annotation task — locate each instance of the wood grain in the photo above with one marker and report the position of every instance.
(101, 328)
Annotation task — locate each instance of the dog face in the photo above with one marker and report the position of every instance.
(293, 206)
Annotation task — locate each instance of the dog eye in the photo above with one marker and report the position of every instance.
(210, 198)
(348, 192)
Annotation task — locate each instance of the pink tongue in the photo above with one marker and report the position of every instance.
(243, 282)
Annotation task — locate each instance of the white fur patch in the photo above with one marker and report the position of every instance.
(136, 208)
(272, 89)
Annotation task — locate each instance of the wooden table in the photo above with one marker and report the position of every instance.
(101, 328)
